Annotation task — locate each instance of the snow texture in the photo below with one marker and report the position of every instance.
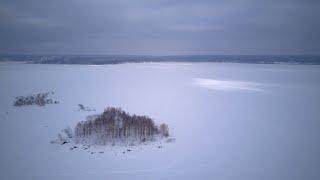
(238, 134)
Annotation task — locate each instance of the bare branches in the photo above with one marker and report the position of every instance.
(115, 125)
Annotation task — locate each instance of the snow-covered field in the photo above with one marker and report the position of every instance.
(230, 121)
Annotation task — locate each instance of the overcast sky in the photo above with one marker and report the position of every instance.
(159, 27)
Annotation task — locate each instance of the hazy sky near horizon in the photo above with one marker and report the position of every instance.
(159, 27)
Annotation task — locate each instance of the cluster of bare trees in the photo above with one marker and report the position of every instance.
(115, 125)
(39, 99)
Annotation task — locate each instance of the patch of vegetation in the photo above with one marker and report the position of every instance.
(117, 126)
(114, 127)
(81, 107)
(39, 99)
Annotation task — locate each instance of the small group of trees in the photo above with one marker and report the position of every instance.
(39, 99)
(83, 108)
(115, 125)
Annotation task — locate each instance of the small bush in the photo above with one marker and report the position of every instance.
(65, 136)
(81, 107)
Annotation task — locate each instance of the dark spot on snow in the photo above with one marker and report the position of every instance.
(128, 150)
(64, 142)
(74, 147)
(101, 152)
(159, 147)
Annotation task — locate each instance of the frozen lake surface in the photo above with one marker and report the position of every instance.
(231, 121)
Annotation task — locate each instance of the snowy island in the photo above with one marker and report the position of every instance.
(39, 99)
(114, 127)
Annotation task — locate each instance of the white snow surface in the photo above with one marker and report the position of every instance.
(227, 85)
(230, 121)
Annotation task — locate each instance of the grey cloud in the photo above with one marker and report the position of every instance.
(159, 27)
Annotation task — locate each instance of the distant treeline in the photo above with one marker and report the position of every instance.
(115, 125)
(77, 59)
